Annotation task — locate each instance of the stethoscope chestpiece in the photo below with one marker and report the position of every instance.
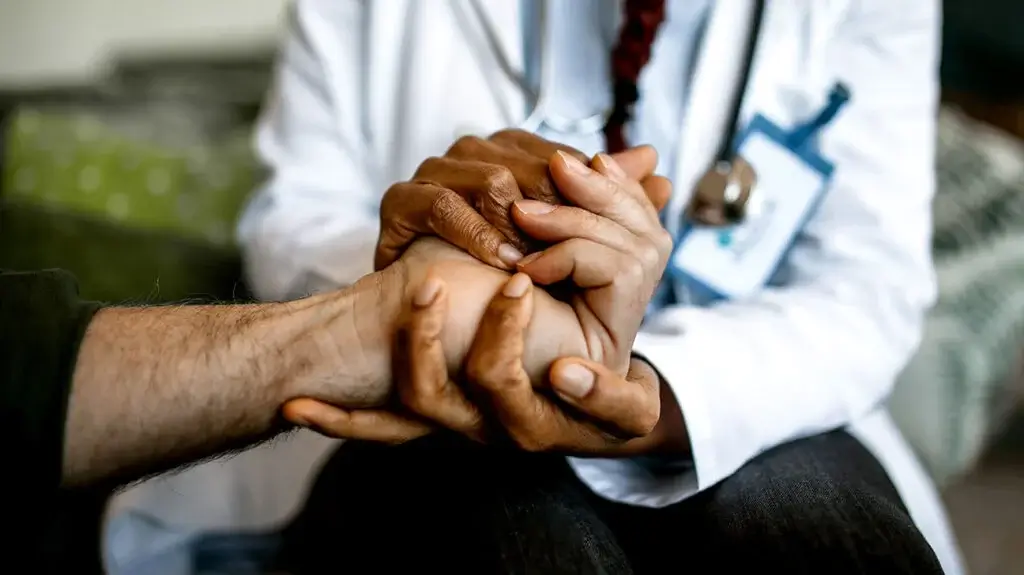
(722, 195)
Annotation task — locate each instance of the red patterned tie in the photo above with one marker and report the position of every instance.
(630, 55)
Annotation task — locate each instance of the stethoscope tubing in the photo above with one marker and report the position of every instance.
(539, 116)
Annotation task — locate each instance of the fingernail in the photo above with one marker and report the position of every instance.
(427, 292)
(533, 207)
(517, 286)
(574, 380)
(573, 164)
(509, 255)
(612, 167)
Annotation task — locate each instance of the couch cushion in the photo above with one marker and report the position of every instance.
(140, 203)
(956, 392)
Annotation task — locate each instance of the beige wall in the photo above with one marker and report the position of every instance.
(61, 41)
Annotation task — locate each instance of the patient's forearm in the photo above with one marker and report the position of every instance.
(157, 387)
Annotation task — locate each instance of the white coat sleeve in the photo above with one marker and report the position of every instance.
(824, 349)
(313, 224)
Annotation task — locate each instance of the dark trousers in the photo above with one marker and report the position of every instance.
(818, 505)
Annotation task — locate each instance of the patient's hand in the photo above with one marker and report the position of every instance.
(554, 330)
(384, 297)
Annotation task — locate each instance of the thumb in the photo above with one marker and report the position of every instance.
(628, 406)
(658, 190)
(639, 162)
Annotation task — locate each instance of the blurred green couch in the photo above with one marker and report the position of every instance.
(135, 188)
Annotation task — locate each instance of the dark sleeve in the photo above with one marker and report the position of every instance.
(42, 322)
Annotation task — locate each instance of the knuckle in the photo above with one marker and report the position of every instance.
(481, 234)
(590, 224)
(489, 372)
(610, 189)
(393, 198)
(663, 242)
(465, 146)
(632, 271)
(604, 195)
(510, 134)
(647, 420)
(457, 222)
(430, 166)
(541, 188)
(427, 324)
(445, 205)
(508, 322)
(650, 257)
(499, 182)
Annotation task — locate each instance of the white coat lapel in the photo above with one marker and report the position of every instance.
(494, 28)
(509, 39)
(423, 51)
(448, 68)
(716, 78)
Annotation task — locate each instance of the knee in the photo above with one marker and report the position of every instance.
(814, 523)
(796, 508)
(552, 531)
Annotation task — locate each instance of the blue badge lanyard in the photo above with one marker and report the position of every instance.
(801, 142)
(805, 134)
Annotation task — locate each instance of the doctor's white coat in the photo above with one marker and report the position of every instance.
(367, 90)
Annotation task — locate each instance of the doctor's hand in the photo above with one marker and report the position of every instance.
(610, 245)
(466, 196)
(584, 408)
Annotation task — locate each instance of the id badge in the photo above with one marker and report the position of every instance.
(735, 262)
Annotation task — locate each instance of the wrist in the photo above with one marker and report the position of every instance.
(343, 355)
(377, 300)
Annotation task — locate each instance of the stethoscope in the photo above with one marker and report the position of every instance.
(541, 116)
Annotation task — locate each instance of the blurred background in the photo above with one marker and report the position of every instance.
(125, 157)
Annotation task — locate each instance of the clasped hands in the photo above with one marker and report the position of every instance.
(478, 349)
